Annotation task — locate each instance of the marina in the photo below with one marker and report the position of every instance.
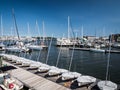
(37, 57)
(44, 75)
(43, 64)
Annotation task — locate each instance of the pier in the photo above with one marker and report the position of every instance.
(88, 49)
(33, 81)
(42, 81)
(38, 81)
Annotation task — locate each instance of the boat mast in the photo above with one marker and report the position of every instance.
(14, 19)
(58, 58)
(28, 26)
(37, 27)
(1, 27)
(82, 32)
(49, 49)
(43, 31)
(108, 60)
(72, 56)
(68, 27)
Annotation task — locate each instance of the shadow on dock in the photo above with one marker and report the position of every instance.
(7, 68)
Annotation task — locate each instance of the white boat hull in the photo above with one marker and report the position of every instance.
(107, 85)
(82, 80)
(14, 49)
(96, 50)
(35, 47)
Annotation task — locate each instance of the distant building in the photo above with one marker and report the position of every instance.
(115, 37)
(90, 38)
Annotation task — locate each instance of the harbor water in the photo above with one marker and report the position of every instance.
(84, 62)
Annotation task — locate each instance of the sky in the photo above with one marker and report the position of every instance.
(96, 17)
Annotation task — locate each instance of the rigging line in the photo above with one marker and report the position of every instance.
(72, 57)
(1, 26)
(58, 58)
(39, 55)
(49, 49)
(72, 30)
(37, 28)
(14, 19)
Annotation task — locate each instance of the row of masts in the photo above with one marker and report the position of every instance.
(28, 26)
(37, 29)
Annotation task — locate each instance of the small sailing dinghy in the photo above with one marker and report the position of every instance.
(44, 68)
(56, 71)
(35, 65)
(83, 80)
(70, 75)
(106, 84)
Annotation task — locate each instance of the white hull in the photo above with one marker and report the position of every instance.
(35, 65)
(14, 49)
(116, 45)
(56, 71)
(83, 80)
(107, 85)
(96, 50)
(17, 48)
(70, 75)
(43, 69)
(37, 47)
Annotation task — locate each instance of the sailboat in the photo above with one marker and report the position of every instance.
(19, 44)
(70, 75)
(42, 45)
(106, 84)
(57, 71)
(65, 42)
(2, 46)
(45, 67)
(85, 79)
(97, 49)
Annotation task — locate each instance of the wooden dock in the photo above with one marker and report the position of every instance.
(33, 81)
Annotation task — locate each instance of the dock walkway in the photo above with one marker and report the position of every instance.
(34, 81)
